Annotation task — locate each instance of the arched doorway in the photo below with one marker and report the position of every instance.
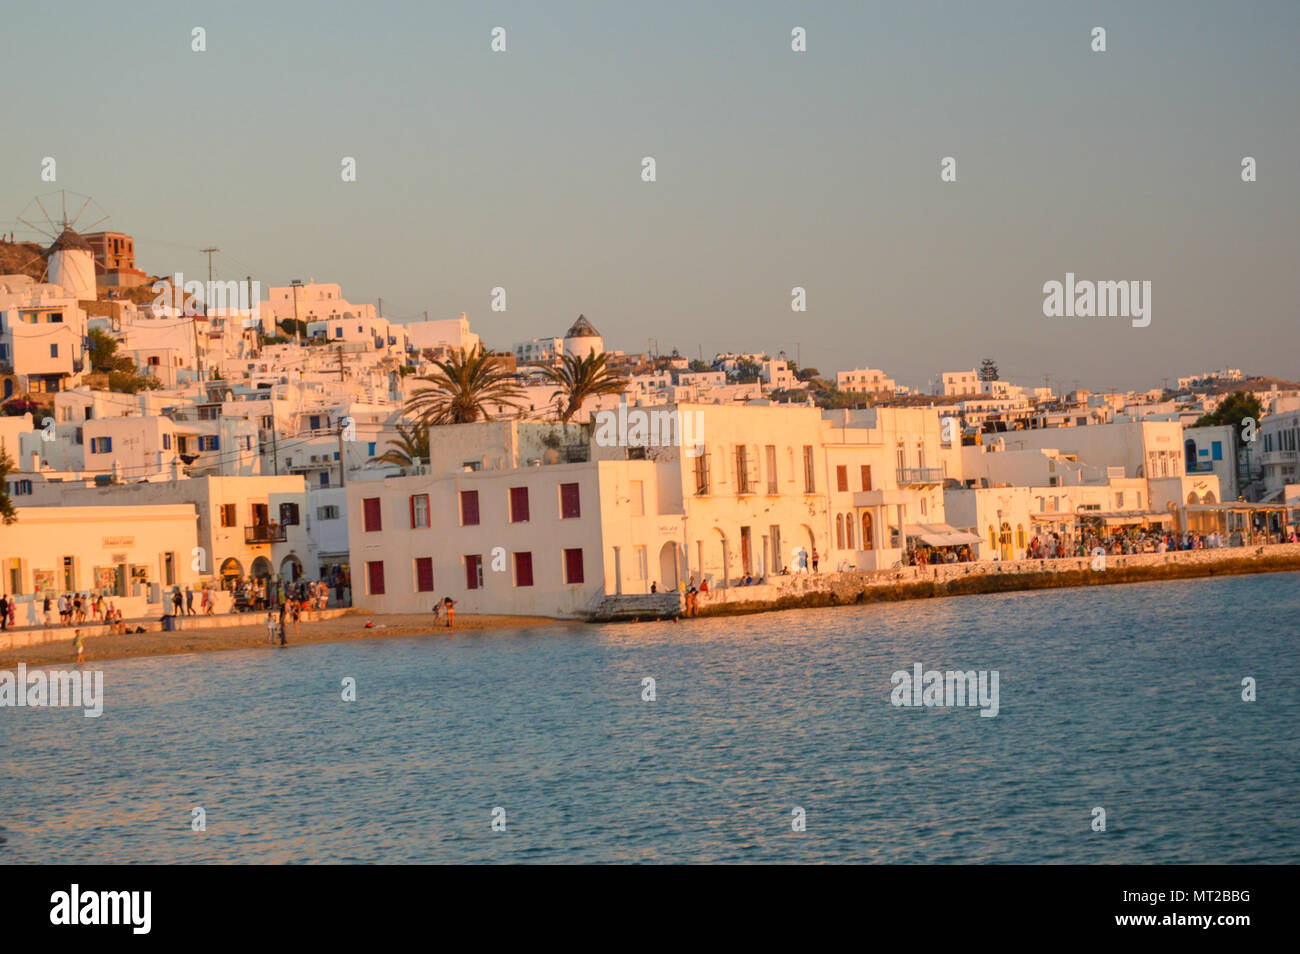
(668, 567)
(261, 568)
(868, 538)
(231, 570)
(291, 569)
(1006, 541)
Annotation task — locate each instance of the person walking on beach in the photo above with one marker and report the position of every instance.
(450, 606)
(297, 612)
(79, 646)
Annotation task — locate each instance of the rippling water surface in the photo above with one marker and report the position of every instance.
(1123, 697)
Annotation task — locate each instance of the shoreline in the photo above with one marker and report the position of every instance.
(348, 627)
(806, 591)
(910, 583)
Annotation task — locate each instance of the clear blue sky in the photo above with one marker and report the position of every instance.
(775, 169)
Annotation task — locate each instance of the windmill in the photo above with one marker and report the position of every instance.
(69, 261)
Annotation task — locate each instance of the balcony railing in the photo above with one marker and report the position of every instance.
(264, 533)
(1200, 467)
(920, 475)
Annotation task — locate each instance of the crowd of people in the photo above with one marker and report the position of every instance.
(73, 609)
(1131, 540)
(929, 556)
(263, 593)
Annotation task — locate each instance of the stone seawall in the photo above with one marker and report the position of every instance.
(959, 579)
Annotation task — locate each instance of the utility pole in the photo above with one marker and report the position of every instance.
(275, 442)
(198, 358)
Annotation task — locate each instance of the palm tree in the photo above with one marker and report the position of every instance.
(410, 448)
(463, 388)
(581, 378)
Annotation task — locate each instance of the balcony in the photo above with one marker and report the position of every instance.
(264, 533)
(1200, 467)
(912, 476)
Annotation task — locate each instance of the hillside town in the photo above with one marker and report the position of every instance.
(168, 436)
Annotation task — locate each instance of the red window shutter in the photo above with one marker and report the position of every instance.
(518, 504)
(573, 566)
(523, 569)
(469, 507)
(842, 478)
(569, 503)
(471, 572)
(424, 574)
(375, 569)
(373, 518)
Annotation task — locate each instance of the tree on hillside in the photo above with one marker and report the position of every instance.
(581, 378)
(411, 446)
(463, 387)
(1233, 410)
(102, 352)
(746, 371)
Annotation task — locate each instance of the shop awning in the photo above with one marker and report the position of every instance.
(940, 535)
(1124, 518)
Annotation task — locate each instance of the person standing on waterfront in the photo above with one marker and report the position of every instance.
(284, 639)
(49, 608)
(189, 600)
(79, 646)
(450, 605)
(815, 559)
(4, 612)
(297, 612)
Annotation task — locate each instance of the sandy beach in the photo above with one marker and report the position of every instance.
(253, 636)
